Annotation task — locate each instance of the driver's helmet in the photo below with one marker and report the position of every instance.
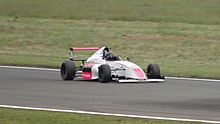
(110, 56)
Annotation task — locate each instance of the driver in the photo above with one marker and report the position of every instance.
(111, 57)
(108, 55)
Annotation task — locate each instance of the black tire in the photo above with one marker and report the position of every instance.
(153, 71)
(104, 73)
(68, 70)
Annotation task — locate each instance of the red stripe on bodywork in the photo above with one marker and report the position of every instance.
(89, 65)
(87, 75)
(139, 72)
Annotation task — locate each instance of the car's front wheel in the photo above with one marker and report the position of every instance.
(104, 73)
(153, 71)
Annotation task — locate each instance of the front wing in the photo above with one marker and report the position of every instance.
(147, 80)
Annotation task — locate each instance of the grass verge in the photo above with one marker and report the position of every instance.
(190, 50)
(187, 11)
(19, 116)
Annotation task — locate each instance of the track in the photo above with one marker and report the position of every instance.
(174, 98)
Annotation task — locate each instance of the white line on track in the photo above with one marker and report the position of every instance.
(110, 114)
(29, 68)
(57, 70)
(192, 79)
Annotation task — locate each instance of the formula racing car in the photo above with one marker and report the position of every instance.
(104, 66)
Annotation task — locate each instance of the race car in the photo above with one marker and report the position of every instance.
(104, 66)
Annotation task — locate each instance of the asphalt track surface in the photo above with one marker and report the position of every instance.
(173, 98)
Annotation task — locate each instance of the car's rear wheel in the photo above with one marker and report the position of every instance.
(104, 73)
(153, 71)
(67, 70)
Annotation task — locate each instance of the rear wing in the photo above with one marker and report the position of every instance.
(81, 48)
(84, 48)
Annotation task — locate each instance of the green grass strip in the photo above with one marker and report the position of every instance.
(19, 116)
(186, 11)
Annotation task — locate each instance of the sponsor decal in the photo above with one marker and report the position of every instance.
(87, 75)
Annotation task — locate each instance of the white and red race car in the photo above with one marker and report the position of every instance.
(105, 66)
